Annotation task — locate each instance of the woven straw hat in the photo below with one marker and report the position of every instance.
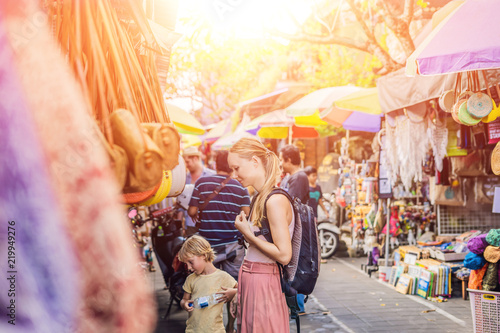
(492, 254)
(495, 160)
(191, 151)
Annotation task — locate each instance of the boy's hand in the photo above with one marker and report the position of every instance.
(187, 305)
(227, 294)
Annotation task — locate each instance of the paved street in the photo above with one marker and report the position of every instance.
(347, 300)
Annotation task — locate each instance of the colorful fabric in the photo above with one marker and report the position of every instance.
(261, 304)
(492, 254)
(493, 237)
(315, 194)
(476, 278)
(490, 279)
(115, 295)
(477, 244)
(217, 218)
(40, 277)
(474, 261)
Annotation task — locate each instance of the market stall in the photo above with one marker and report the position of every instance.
(439, 155)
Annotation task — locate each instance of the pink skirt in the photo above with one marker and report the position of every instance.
(261, 304)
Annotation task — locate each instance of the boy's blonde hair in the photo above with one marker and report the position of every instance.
(196, 246)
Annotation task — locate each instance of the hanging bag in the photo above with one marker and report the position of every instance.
(479, 104)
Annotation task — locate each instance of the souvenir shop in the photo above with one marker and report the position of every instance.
(439, 167)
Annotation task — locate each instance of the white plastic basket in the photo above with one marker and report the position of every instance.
(485, 307)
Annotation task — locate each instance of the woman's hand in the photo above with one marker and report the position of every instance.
(241, 223)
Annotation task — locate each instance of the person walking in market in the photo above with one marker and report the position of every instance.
(315, 193)
(216, 201)
(195, 168)
(296, 183)
(261, 303)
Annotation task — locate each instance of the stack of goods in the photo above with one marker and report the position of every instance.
(427, 278)
(483, 261)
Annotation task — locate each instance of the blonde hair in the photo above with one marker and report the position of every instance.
(249, 147)
(196, 246)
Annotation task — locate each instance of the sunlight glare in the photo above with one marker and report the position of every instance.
(248, 18)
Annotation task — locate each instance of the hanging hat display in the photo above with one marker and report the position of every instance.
(477, 244)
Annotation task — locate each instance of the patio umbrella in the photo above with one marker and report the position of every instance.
(183, 121)
(222, 128)
(466, 39)
(189, 140)
(277, 125)
(318, 101)
(359, 111)
(229, 140)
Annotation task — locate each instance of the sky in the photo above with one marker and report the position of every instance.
(245, 18)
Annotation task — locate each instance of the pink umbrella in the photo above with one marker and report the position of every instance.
(467, 39)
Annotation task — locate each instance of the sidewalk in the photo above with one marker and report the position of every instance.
(347, 300)
(364, 304)
(313, 321)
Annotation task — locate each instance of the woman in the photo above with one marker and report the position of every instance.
(262, 306)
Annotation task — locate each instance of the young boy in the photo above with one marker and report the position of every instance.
(205, 280)
(315, 194)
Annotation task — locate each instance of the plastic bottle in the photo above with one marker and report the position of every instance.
(160, 233)
(205, 301)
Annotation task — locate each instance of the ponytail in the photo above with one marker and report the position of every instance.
(249, 147)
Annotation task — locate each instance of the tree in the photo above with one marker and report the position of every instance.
(372, 19)
(221, 72)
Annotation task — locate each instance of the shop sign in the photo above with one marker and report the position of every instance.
(493, 130)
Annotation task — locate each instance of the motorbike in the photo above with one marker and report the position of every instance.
(328, 230)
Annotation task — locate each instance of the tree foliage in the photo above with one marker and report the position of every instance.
(365, 25)
(221, 72)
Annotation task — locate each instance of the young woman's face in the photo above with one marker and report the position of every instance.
(196, 264)
(243, 169)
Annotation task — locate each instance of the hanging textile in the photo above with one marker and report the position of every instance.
(438, 138)
(407, 144)
(41, 293)
(392, 160)
(115, 295)
(412, 147)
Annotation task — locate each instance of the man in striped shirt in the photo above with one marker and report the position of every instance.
(217, 218)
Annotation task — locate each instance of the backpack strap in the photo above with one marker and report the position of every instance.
(265, 229)
(212, 195)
